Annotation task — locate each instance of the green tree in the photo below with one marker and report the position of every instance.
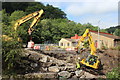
(17, 15)
(13, 6)
(34, 6)
(22, 29)
(11, 52)
(103, 30)
(30, 7)
(117, 32)
(53, 13)
(5, 17)
(111, 30)
(54, 29)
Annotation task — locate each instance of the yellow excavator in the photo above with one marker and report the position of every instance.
(36, 15)
(91, 60)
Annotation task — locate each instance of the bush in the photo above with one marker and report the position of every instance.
(114, 74)
(10, 54)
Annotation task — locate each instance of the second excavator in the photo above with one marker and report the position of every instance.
(92, 60)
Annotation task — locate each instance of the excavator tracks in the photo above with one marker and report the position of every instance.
(91, 70)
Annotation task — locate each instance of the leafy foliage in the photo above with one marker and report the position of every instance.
(14, 6)
(10, 54)
(11, 49)
(114, 74)
(52, 30)
(103, 30)
(22, 29)
(14, 16)
(5, 17)
(117, 32)
(112, 30)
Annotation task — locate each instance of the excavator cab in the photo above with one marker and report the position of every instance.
(91, 61)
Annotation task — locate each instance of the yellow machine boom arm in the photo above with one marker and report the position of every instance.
(36, 15)
(91, 42)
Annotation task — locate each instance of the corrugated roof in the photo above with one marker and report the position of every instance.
(106, 34)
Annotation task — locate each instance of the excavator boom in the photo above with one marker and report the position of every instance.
(91, 43)
(36, 15)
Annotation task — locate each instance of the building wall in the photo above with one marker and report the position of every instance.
(63, 43)
(106, 41)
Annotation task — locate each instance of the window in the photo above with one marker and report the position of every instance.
(74, 43)
(68, 44)
(61, 44)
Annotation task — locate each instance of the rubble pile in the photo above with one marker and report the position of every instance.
(61, 67)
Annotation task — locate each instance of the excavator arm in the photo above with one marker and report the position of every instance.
(36, 15)
(91, 42)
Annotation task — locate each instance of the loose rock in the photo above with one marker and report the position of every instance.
(83, 76)
(62, 68)
(44, 59)
(79, 73)
(41, 75)
(53, 69)
(70, 68)
(65, 74)
(88, 75)
(47, 64)
(44, 69)
(60, 63)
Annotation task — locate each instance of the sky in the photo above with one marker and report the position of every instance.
(102, 13)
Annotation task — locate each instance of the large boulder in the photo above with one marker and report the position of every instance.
(70, 67)
(53, 69)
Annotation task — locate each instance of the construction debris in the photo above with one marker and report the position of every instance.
(54, 66)
(41, 75)
(79, 73)
(53, 69)
(64, 74)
